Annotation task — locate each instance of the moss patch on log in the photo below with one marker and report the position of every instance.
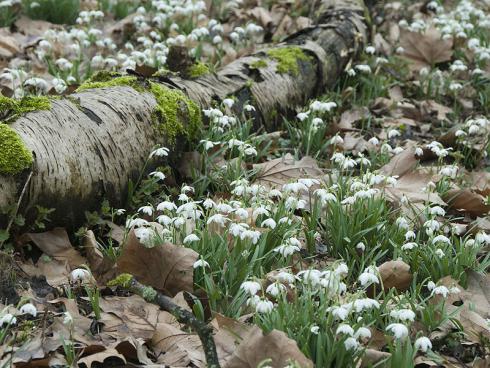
(126, 80)
(287, 59)
(14, 155)
(258, 64)
(197, 70)
(175, 113)
(11, 109)
(123, 280)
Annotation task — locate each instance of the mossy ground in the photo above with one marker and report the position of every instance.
(11, 109)
(175, 113)
(198, 69)
(287, 59)
(123, 280)
(14, 156)
(258, 64)
(126, 80)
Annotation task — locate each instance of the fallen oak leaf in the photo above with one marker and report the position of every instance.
(100, 357)
(468, 201)
(395, 274)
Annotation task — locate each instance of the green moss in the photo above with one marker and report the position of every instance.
(261, 63)
(126, 80)
(287, 59)
(11, 109)
(124, 280)
(175, 113)
(198, 69)
(149, 294)
(14, 155)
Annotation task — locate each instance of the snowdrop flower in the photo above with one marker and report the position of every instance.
(403, 315)
(158, 174)
(264, 306)
(311, 277)
(363, 332)
(270, 223)
(315, 329)
(68, 319)
(147, 210)
(137, 222)
(275, 289)
(410, 235)
(8, 319)
(228, 102)
(250, 287)
(345, 330)
(302, 116)
(191, 238)
(454, 86)
(218, 219)
(200, 263)
(144, 234)
(120, 211)
(368, 277)
(361, 246)
(286, 277)
(160, 152)
(336, 139)
(423, 344)
(449, 171)
(339, 312)
(166, 205)
(208, 144)
(440, 290)
(419, 152)
(249, 108)
(351, 343)
(79, 274)
(442, 239)
(363, 68)
(286, 249)
(28, 308)
(409, 246)
(393, 133)
(370, 50)
(374, 141)
(399, 330)
(440, 253)
(351, 72)
(431, 285)
(402, 223)
(208, 203)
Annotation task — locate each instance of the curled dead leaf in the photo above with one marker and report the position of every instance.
(395, 274)
(468, 201)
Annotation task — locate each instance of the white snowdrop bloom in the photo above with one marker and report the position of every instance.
(410, 235)
(120, 211)
(437, 211)
(423, 344)
(393, 133)
(144, 234)
(308, 182)
(455, 86)
(79, 274)
(8, 319)
(351, 72)
(217, 40)
(310, 277)
(224, 208)
(440, 253)
(339, 313)
(381, 60)
(363, 68)
(454, 290)
(341, 270)
(67, 319)
(242, 213)
(367, 279)
(38, 83)
(440, 290)
(200, 263)
(419, 152)
(302, 116)
(344, 329)
(160, 152)
(275, 193)
(402, 223)
(363, 332)
(249, 108)
(315, 329)
(431, 285)
(449, 171)
(473, 130)
(458, 65)
(403, 315)
(286, 277)
(28, 308)
(250, 287)
(191, 238)
(286, 249)
(399, 330)
(237, 229)
(260, 211)
(137, 222)
(361, 246)
(264, 306)
(208, 203)
(158, 174)
(432, 225)
(409, 246)
(164, 220)
(351, 343)
(442, 239)
(397, 150)
(208, 144)
(147, 210)
(275, 289)
(370, 50)
(336, 139)
(217, 219)
(374, 141)
(270, 223)
(348, 163)
(228, 102)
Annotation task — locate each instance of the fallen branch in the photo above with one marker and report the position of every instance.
(204, 331)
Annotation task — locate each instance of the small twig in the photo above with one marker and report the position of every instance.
(203, 330)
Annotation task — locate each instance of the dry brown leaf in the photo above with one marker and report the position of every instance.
(102, 268)
(133, 316)
(56, 272)
(372, 356)
(176, 348)
(425, 49)
(275, 173)
(431, 109)
(101, 356)
(413, 185)
(165, 267)
(467, 201)
(351, 116)
(395, 274)
(257, 347)
(227, 336)
(401, 164)
(57, 245)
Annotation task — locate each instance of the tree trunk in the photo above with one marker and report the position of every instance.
(88, 146)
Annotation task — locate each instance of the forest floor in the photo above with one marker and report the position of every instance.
(356, 234)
